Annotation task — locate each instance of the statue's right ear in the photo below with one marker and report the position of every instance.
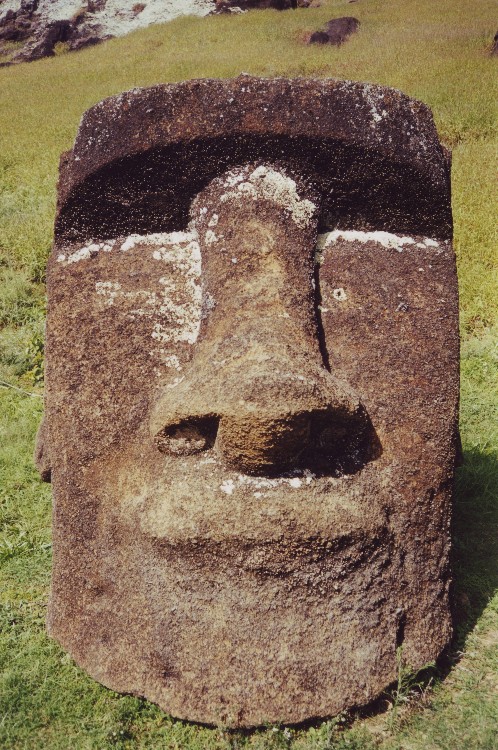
(41, 455)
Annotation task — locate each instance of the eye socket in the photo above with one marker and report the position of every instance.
(188, 436)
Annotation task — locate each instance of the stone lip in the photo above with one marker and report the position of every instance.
(140, 157)
(494, 47)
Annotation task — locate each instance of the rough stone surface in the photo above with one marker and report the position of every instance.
(43, 43)
(336, 31)
(252, 395)
(319, 37)
(340, 29)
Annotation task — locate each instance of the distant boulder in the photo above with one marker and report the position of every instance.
(29, 6)
(15, 27)
(241, 6)
(85, 40)
(336, 32)
(43, 42)
(340, 29)
(319, 37)
(494, 47)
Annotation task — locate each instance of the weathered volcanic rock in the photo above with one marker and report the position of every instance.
(15, 27)
(230, 6)
(79, 41)
(42, 45)
(42, 23)
(252, 396)
(340, 29)
(336, 31)
(319, 37)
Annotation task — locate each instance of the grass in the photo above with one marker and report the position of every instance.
(433, 51)
(8, 49)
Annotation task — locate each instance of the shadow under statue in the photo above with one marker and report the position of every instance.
(252, 396)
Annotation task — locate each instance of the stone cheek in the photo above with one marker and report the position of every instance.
(251, 430)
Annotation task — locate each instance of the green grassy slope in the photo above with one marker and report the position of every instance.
(435, 51)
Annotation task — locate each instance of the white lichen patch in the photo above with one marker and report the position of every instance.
(89, 250)
(182, 316)
(210, 237)
(385, 239)
(339, 294)
(179, 243)
(178, 247)
(266, 183)
(170, 360)
(109, 290)
(129, 243)
(174, 306)
(375, 100)
(113, 292)
(295, 482)
(177, 308)
(246, 481)
(233, 178)
(176, 382)
(181, 308)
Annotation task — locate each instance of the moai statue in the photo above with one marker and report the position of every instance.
(252, 395)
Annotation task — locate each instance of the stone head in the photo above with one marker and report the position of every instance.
(252, 392)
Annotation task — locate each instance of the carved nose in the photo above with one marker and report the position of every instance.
(257, 389)
(262, 423)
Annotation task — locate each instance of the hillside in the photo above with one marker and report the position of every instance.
(35, 26)
(435, 52)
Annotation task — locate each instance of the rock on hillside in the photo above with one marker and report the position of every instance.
(40, 24)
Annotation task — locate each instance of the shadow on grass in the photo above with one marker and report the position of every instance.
(475, 541)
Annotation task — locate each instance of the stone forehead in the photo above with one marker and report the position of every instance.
(140, 157)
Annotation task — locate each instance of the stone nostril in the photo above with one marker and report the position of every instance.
(330, 436)
(188, 436)
(341, 442)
